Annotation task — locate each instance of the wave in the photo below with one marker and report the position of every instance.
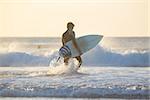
(98, 56)
(105, 57)
(26, 59)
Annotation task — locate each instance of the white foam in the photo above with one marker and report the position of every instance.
(96, 82)
(60, 68)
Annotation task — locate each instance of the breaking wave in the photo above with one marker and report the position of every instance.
(98, 56)
(105, 57)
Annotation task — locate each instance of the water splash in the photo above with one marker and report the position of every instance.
(57, 68)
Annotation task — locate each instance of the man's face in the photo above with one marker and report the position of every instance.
(70, 27)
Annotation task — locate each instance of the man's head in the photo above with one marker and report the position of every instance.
(70, 25)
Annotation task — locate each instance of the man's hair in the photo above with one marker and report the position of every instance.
(70, 23)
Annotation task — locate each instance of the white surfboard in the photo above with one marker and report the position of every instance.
(85, 43)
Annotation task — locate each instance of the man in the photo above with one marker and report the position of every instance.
(69, 35)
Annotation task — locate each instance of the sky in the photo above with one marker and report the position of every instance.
(48, 18)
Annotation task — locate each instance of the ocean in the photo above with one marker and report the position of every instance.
(118, 67)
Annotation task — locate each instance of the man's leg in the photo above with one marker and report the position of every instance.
(80, 60)
(66, 60)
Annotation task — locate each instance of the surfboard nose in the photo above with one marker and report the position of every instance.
(65, 51)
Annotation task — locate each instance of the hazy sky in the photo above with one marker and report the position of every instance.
(49, 17)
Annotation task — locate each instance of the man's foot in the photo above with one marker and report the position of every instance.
(66, 63)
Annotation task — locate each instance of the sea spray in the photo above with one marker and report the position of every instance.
(57, 68)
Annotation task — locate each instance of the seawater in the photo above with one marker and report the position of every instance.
(111, 51)
(117, 67)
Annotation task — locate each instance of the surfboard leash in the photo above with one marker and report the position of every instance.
(58, 58)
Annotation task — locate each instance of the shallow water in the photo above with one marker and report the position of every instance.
(87, 82)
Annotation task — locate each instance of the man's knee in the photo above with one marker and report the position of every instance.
(79, 59)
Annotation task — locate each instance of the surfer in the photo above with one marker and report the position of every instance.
(70, 35)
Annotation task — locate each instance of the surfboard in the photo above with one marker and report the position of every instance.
(85, 43)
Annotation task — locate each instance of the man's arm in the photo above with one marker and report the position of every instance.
(76, 45)
(63, 41)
